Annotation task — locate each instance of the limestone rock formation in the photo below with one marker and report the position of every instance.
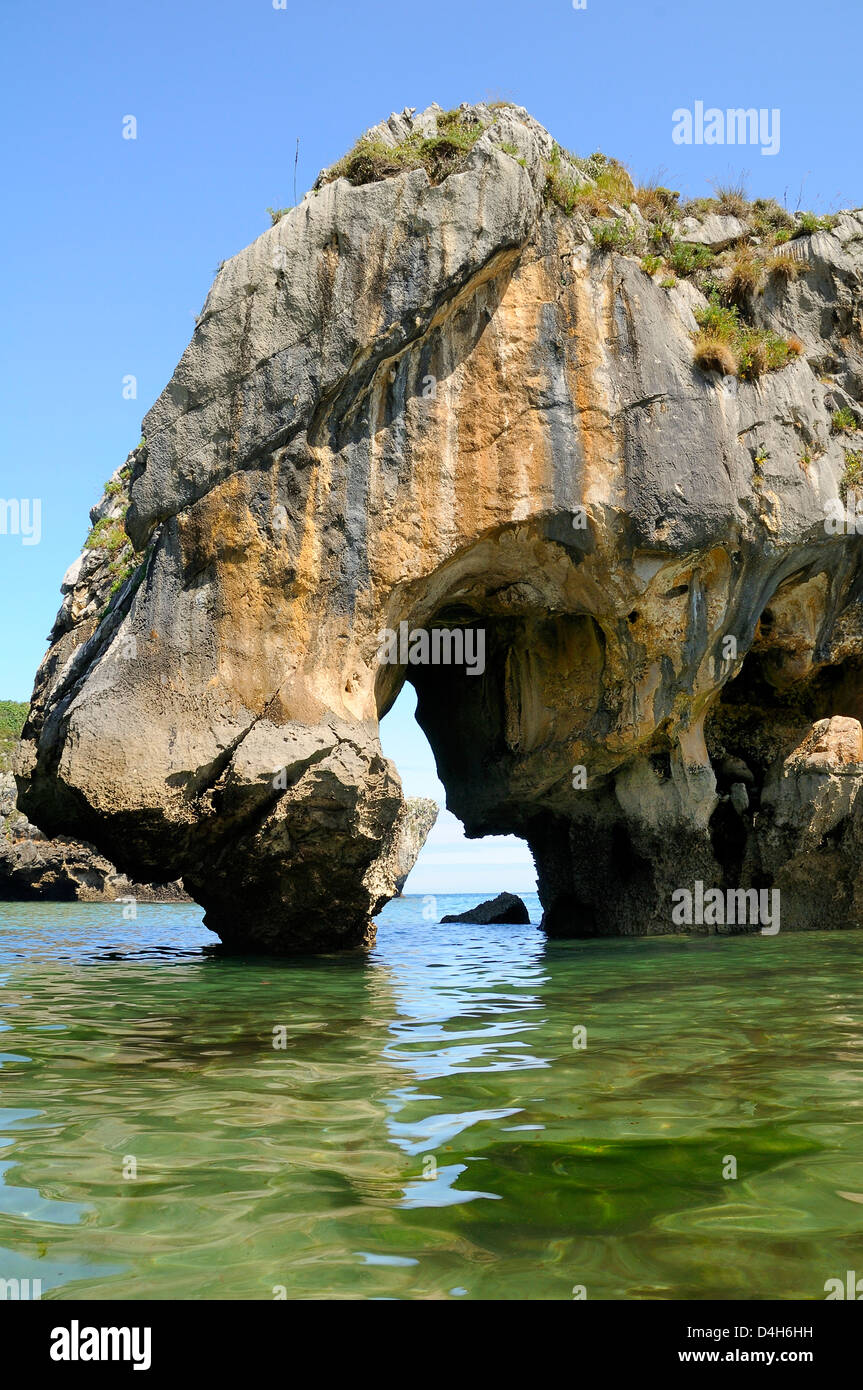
(34, 868)
(457, 387)
(811, 827)
(506, 908)
(714, 230)
(412, 831)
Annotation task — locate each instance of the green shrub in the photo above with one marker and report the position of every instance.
(650, 264)
(843, 421)
(611, 236)
(13, 716)
(660, 233)
(780, 351)
(108, 534)
(853, 475)
(610, 183)
(807, 223)
(560, 188)
(751, 355)
(686, 257)
(276, 215)
(697, 207)
(770, 219)
(722, 320)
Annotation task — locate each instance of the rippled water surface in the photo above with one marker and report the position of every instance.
(428, 1129)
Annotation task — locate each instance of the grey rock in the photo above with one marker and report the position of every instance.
(715, 230)
(810, 832)
(506, 908)
(410, 830)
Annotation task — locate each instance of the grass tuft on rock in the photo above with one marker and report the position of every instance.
(784, 265)
(853, 475)
(593, 186)
(440, 155)
(108, 534)
(725, 343)
(744, 276)
(715, 354)
(731, 200)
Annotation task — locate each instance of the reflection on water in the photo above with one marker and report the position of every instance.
(428, 1129)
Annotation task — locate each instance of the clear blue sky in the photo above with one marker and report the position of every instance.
(109, 245)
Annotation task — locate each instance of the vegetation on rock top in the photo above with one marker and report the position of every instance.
(372, 160)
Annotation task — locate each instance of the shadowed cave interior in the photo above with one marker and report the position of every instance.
(507, 744)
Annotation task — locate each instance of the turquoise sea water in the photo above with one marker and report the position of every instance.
(428, 1129)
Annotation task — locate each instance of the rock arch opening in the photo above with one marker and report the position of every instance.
(449, 862)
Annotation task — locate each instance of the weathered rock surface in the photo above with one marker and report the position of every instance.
(445, 404)
(506, 908)
(34, 868)
(412, 831)
(715, 230)
(811, 827)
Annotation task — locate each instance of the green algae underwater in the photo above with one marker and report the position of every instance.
(422, 1122)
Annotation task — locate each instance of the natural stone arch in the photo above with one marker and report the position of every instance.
(428, 401)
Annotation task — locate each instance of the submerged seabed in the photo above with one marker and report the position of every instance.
(428, 1129)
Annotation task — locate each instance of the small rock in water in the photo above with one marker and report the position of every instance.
(506, 907)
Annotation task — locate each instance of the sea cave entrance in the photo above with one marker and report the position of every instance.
(449, 863)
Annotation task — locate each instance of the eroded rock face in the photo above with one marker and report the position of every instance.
(444, 404)
(411, 832)
(36, 869)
